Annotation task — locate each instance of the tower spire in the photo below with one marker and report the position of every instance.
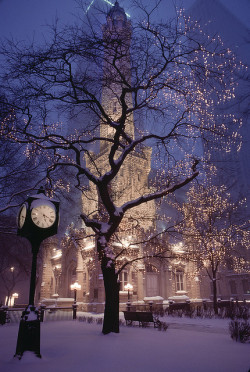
(117, 33)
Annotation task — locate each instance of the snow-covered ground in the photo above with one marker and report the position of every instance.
(188, 345)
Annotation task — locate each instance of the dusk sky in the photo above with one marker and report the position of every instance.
(25, 18)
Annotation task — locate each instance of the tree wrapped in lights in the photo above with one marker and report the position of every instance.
(99, 77)
(215, 231)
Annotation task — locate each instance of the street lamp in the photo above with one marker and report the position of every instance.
(14, 296)
(37, 220)
(75, 287)
(128, 287)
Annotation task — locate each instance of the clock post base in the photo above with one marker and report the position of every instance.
(29, 333)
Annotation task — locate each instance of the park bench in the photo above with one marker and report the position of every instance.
(143, 317)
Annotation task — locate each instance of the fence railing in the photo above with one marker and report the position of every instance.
(204, 309)
(13, 314)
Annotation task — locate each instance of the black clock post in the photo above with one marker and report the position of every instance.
(38, 219)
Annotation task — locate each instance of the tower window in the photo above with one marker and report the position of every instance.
(95, 292)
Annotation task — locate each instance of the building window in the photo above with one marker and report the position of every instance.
(114, 107)
(123, 278)
(95, 292)
(151, 268)
(233, 288)
(134, 278)
(179, 282)
(134, 282)
(245, 286)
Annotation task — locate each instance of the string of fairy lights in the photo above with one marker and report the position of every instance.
(214, 234)
(196, 80)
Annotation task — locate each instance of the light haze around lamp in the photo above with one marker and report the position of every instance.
(128, 287)
(75, 287)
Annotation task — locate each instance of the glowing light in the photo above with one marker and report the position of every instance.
(106, 1)
(178, 248)
(75, 286)
(128, 287)
(89, 247)
(57, 255)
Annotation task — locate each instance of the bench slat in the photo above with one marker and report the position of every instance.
(139, 316)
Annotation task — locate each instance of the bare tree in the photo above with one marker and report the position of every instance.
(215, 232)
(18, 173)
(107, 80)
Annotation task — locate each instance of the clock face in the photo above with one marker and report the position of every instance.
(43, 216)
(22, 216)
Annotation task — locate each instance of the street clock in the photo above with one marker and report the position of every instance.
(38, 217)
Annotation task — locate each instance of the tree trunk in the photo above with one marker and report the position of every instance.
(215, 303)
(111, 313)
(7, 301)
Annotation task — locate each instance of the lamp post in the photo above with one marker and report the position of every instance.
(75, 287)
(37, 220)
(128, 287)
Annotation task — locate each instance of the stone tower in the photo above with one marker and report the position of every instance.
(132, 180)
(79, 262)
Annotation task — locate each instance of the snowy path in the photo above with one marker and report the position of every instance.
(189, 345)
(199, 325)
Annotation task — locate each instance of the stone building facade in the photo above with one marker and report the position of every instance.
(67, 261)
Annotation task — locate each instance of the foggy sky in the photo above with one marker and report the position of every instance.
(25, 19)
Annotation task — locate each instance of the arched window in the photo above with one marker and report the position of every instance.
(152, 281)
(123, 278)
(179, 280)
(73, 274)
(151, 268)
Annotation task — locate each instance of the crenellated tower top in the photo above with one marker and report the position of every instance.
(116, 17)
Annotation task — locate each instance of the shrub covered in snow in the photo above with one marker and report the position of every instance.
(240, 330)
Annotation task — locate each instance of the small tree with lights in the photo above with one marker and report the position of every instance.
(166, 76)
(215, 231)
